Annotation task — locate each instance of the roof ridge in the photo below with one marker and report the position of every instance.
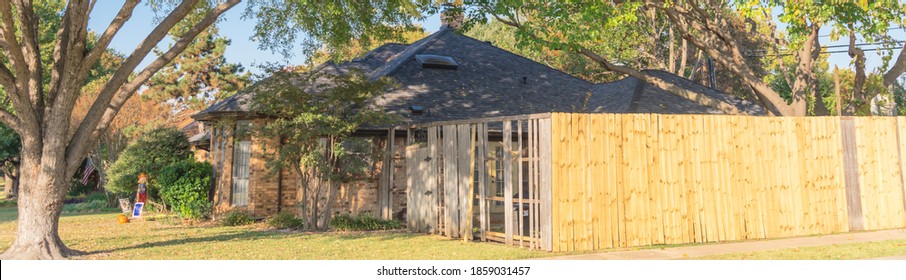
(705, 89)
(403, 56)
(374, 51)
(636, 94)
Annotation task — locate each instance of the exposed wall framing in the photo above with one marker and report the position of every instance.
(482, 179)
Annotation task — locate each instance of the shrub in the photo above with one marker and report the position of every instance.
(96, 196)
(76, 188)
(346, 222)
(236, 218)
(88, 206)
(184, 187)
(150, 153)
(284, 220)
(7, 203)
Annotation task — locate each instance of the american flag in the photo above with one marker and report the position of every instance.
(89, 168)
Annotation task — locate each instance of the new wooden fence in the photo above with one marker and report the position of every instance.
(638, 179)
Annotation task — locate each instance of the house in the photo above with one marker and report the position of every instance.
(444, 76)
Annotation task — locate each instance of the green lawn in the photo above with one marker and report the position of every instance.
(101, 236)
(852, 251)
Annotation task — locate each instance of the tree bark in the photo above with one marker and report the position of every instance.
(858, 97)
(897, 69)
(813, 46)
(8, 189)
(40, 203)
(837, 92)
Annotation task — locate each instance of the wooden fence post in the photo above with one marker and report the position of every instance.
(851, 173)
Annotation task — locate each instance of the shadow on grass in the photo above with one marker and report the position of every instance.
(81, 214)
(251, 235)
(377, 235)
(8, 214)
(11, 214)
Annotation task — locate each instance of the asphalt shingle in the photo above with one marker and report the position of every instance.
(494, 82)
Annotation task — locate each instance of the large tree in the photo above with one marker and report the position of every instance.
(314, 116)
(42, 97)
(52, 151)
(199, 76)
(10, 144)
(718, 28)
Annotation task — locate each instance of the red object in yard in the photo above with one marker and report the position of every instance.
(142, 188)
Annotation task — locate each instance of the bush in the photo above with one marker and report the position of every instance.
(236, 218)
(346, 222)
(76, 188)
(150, 153)
(94, 196)
(7, 203)
(93, 202)
(88, 206)
(284, 220)
(184, 187)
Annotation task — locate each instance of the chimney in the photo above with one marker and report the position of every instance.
(452, 17)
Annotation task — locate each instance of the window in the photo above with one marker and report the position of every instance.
(242, 152)
(360, 156)
(241, 155)
(436, 61)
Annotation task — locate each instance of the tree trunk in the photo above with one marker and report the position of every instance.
(837, 91)
(328, 207)
(40, 203)
(11, 188)
(303, 204)
(820, 109)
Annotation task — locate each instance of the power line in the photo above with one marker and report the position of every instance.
(762, 53)
(860, 44)
(824, 52)
(888, 29)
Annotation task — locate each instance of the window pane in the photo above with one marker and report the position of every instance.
(241, 172)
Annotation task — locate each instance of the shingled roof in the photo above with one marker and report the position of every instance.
(494, 82)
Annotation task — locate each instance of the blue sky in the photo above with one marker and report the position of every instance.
(245, 51)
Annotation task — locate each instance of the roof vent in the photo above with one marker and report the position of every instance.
(417, 110)
(436, 61)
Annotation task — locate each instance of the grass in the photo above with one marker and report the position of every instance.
(851, 251)
(168, 238)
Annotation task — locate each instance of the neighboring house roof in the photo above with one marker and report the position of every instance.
(201, 138)
(492, 82)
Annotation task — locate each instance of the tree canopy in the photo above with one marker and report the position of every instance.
(314, 115)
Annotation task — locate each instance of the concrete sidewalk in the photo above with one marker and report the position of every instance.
(742, 247)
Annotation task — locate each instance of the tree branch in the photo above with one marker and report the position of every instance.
(858, 55)
(59, 52)
(16, 58)
(101, 44)
(91, 128)
(727, 54)
(665, 85)
(7, 79)
(897, 69)
(658, 82)
(28, 24)
(10, 120)
(116, 81)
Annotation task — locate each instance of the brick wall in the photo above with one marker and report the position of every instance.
(354, 197)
